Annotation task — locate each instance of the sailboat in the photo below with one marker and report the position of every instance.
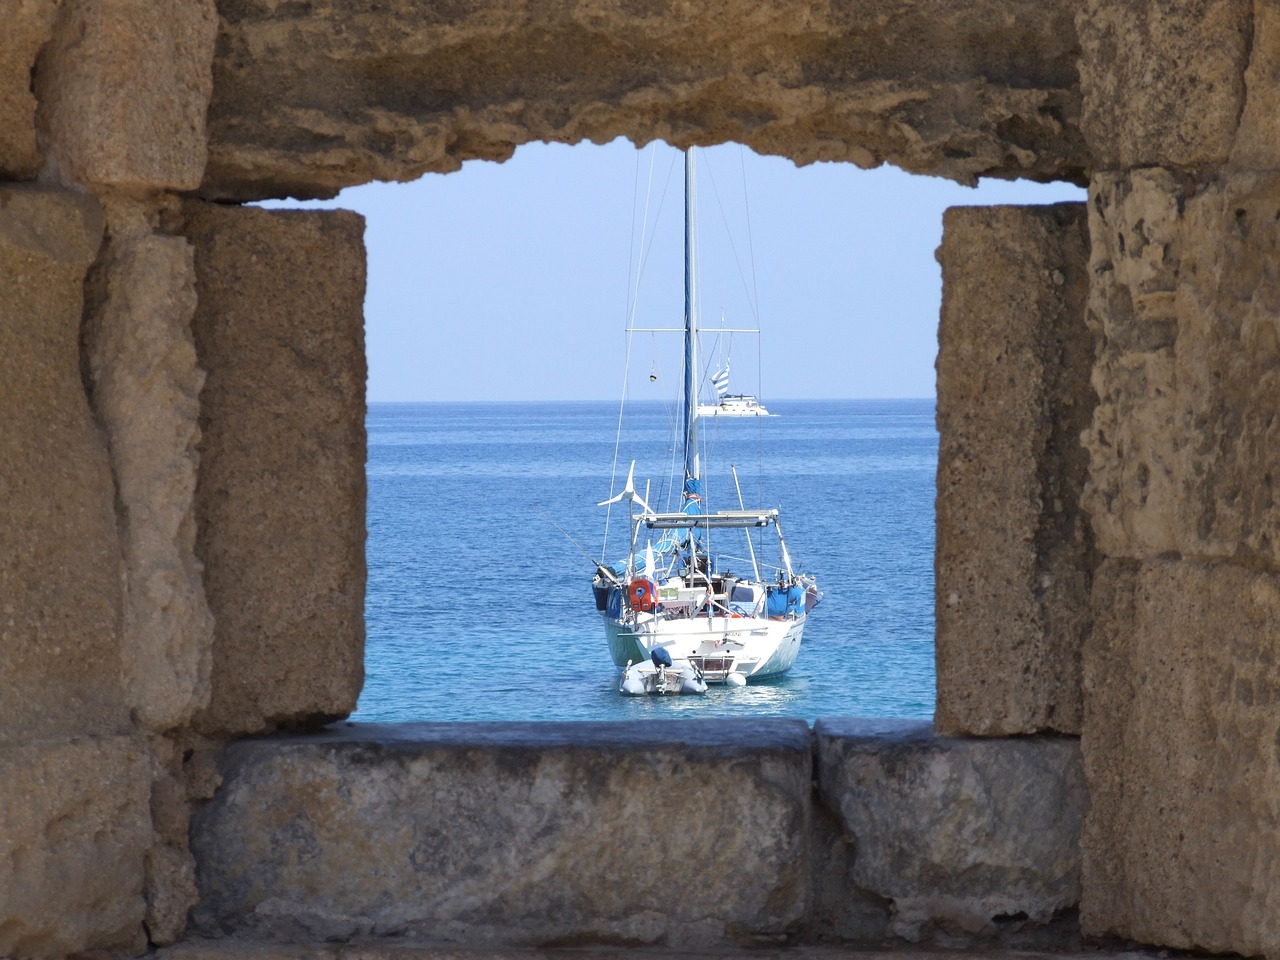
(695, 602)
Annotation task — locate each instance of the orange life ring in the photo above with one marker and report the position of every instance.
(642, 594)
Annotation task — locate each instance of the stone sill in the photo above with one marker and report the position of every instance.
(682, 834)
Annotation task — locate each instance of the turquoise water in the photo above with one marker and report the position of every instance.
(479, 608)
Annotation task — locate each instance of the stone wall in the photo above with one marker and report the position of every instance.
(170, 404)
(1179, 745)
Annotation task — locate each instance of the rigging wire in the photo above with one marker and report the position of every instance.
(634, 299)
(755, 310)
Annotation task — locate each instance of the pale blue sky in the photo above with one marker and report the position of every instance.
(511, 281)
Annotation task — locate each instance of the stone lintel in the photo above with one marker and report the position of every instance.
(1014, 553)
(957, 833)
(309, 98)
(675, 833)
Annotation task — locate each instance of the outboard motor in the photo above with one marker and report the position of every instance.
(660, 657)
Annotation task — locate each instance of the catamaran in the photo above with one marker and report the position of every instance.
(730, 404)
(696, 601)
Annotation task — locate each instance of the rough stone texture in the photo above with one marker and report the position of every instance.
(1180, 746)
(1185, 444)
(309, 97)
(204, 949)
(957, 833)
(673, 833)
(124, 90)
(60, 571)
(1162, 81)
(71, 852)
(145, 391)
(1257, 141)
(280, 499)
(1014, 552)
(26, 27)
(840, 910)
(176, 780)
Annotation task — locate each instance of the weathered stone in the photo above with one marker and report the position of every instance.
(60, 572)
(957, 833)
(124, 90)
(1135, 231)
(1014, 550)
(674, 833)
(171, 892)
(280, 498)
(841, 911)
(75, 833)
(1162, 81)
(171, 884)
(1185, 445)
(27, 27)
(209, 949)
(146, 385)
(311, 98)
(1257, 140)
(1180, 748)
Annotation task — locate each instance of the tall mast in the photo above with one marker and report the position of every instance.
(690, 326)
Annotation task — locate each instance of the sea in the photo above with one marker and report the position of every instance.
(483, 534)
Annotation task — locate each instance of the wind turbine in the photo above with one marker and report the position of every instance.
(628, 493)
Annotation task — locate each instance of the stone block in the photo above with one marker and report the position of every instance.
(124, 90)
(60, 568)
(1162, 81)
(76, 829)
(1180, 749)
(1257, 140)
(280, 498)
(1185, 444)
(28, 25)
(145, 392)
(309, 98)
(673, 833)
(958, 833)
(1014, 553)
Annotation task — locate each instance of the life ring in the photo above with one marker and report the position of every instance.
(642, 594)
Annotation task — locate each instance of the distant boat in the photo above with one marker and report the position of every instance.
(730, 404)
(686, 611)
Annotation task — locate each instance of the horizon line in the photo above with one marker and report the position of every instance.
(653, 400)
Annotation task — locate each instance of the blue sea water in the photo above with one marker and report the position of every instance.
(479, 605)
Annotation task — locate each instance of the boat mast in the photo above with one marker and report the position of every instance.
(690, 327)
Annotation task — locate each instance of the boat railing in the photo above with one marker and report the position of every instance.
(723, 519)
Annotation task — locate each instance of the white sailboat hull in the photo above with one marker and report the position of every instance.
(753, 647)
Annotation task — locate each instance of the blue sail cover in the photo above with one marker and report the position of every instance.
(693, 507)
(784, 600)
(693, 504)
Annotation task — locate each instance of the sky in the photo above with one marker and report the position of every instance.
(515, 281)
